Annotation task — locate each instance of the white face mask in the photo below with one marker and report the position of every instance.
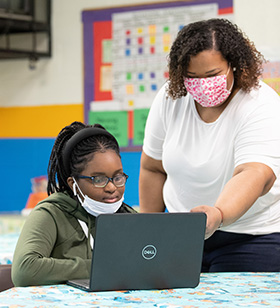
(94, 207)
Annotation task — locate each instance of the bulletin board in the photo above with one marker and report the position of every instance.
(125, 60)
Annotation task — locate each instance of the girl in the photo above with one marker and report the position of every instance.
(85, 179)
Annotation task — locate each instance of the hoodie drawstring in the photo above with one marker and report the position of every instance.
(89, 236)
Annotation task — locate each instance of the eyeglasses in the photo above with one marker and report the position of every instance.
(102, 180)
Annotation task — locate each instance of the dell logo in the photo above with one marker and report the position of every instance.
(149, 252)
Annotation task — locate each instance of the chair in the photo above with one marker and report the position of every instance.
(5, 277)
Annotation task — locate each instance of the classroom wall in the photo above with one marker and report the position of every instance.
(260, 20)
(36, 104)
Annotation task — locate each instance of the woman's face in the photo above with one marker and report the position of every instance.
(209, 63)
(108, 164)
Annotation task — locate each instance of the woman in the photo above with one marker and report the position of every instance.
(212, 144)
(85, 179)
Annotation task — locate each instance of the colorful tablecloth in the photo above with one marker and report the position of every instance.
(7, 247)
(214, 290)
(10, 228)
(12, 223)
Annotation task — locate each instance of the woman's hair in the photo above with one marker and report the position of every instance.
(68, 161)
(220, 35)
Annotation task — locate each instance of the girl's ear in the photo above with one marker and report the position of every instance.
(70, 182)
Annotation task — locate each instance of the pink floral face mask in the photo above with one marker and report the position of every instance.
(208, 92)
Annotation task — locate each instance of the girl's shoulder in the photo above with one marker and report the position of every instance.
(125, 208)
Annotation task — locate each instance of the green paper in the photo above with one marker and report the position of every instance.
(140, 117)
(114, 121)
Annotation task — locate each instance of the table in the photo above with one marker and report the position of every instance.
(7, 247)
(215, 290)
(11, 223)
(10, 228)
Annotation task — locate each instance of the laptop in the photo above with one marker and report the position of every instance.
(146, 251)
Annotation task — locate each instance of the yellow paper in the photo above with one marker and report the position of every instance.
(106, 78)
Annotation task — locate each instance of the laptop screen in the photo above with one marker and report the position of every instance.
(147, 251)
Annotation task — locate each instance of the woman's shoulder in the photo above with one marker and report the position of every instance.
(265, 94)
(261, 101)
(163, 105)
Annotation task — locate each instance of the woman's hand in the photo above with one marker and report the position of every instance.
(214, 218)
(249, 182)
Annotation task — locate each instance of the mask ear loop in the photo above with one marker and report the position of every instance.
(75, 186)
(233, 69)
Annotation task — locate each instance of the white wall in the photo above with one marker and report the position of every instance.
(260, 20)
(59, 80)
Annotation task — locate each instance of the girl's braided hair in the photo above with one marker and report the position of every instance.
(81, 154)
(223, 36)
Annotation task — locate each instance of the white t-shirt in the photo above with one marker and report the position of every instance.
(199, 158)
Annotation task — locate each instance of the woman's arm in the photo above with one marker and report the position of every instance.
(151, 181)
(249, 182)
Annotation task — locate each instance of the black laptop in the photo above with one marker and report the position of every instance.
(146, 251)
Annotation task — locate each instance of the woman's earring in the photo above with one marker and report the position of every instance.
(234, 69)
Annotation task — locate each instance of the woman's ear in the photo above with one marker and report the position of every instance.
(70, 182)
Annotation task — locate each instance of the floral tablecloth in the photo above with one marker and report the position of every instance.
(11, 223)
(214, 290)
(10, 227)
(7, 247)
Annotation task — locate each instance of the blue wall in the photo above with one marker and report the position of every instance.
(23, 159)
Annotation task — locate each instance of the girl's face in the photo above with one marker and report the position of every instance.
(108, 164)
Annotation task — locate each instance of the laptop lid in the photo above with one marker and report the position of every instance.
(147, 251)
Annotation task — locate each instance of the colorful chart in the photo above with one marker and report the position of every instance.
(141, 44)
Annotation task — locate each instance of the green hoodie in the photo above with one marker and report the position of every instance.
(52, 247)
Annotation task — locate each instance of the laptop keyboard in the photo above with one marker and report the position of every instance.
(83, 282)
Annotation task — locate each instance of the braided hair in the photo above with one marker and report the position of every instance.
(214, 34)
(80, 155)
